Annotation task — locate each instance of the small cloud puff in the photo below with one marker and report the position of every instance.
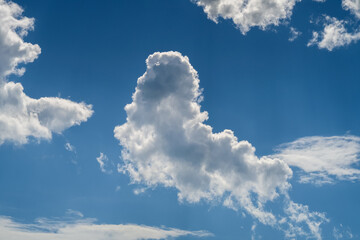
(294, 34)
(334, 35)
(70, 147)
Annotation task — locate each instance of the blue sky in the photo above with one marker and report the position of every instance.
(295, 101)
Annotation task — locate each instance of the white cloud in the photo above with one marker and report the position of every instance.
(166, 142)
(21, 116)
(70, 147)
(316, 178)
(105, 163)
(300, 218)
(323, 159)
(253, 231)
(294, 34)
(342, 233)
(13, 49)
(138, 191)
(248, 13)
(334, 35)
(75, 213)
(353, 6)
(45, 229)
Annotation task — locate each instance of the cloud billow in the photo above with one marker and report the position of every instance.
(13, 49)
(21, 116)
(166, 142)
(334, 35)
(247, 14)
(250, 13)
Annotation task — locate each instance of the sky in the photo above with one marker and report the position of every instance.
(184, 119)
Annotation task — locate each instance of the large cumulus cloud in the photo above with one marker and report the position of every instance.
(166, 142)
(21, 116)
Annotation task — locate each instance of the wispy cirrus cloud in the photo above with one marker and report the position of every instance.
(86, 228)
(323, 159)
(70, 147)
(301, 222)
(294, 34)
(106, 166)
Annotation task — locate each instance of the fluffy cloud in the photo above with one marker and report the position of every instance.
(248, 13)
(353, 6)
(323, 159)
(166, 142)
(13, 49)
(21, 116)
(45, 229)
(334, 35)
